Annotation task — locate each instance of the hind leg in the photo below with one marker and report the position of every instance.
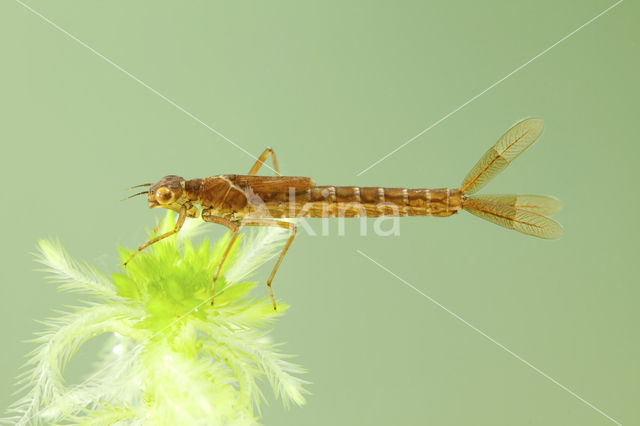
(281, 224)
(262, 159)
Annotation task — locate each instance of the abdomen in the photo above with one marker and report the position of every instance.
(353, 201)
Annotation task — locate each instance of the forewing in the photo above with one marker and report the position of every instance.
(509, 146)
(517, 219)
(539, 204)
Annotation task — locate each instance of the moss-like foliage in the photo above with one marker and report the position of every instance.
(171, 357)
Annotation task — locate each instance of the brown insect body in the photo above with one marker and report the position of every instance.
(250, 200)
(237, 197)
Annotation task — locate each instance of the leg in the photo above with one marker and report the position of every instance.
(281, 224)
(181, 217)
(262, 159)
(233, 227)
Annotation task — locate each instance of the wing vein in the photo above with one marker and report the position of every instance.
(481, 172)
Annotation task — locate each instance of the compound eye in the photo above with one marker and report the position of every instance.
(164, 195)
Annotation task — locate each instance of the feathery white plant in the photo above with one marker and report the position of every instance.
(171, 358)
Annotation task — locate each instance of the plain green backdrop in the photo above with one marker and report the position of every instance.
(333, 86)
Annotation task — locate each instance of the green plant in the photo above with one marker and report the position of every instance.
(171, 358)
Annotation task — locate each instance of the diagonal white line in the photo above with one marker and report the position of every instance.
(490, 87)
(142, 83)
(491, 339)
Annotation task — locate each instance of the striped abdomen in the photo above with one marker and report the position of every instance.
(353, 201)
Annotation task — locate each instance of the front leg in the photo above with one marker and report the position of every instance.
(262, 159)
(181, 218)
(233, 227)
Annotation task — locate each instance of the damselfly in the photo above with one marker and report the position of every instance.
(250, 200)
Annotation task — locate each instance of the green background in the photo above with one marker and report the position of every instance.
(332, 87)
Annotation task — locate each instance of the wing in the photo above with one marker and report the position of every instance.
(539, 204)
(514, 218)
(509, 146)
(262, 184)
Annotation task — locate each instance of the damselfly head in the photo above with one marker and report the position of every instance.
(165, 192)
